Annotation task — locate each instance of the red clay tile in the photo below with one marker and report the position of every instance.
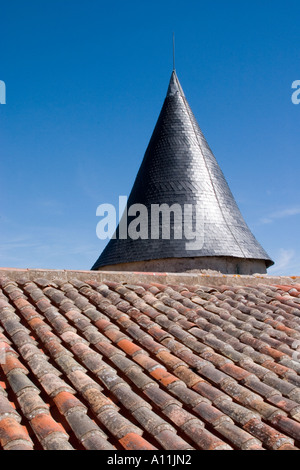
(36, 323)
(208, 391)
(287, 447)
(158, 333)
(19, 382)
(54, 385)
(13, 363)
(133, 441)
(97, 400)
(82, 382)
(129, 348)
(210, 414)
(235, 371)
(146, 362)
(95, 441)
(3, 387)
(151, 345)
(7, 410)
(20, 303)
(239, 414)
(118, 425)
(19, 445)
(54, 348)
(160, 398)
(124, 321)
(115, 335)
(141, 380)
(287, 405)
(204, 439)
(129, 399)
(170, 361)
(81, 349)
(276, 368)
(103, 324)
(275, 354)
(6, 349)
(187, 376)
(108, 349)
(269, 436)
(28, 312)
(214, 375)
(164, 377)
(238, 437)
(170, 441)
(32, 404)
(288, 426)
(43, 425)
(66, 401)
(230, 349)
(11, 430)
(83, 426)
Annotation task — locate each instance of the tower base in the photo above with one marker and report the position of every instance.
(224, 265)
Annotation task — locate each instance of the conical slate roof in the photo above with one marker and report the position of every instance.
(179, 168)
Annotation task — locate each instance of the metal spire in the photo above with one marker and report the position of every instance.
(174, 52)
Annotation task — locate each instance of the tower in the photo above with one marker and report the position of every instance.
(180, 169)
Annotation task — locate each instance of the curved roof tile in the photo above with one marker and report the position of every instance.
(90, 364)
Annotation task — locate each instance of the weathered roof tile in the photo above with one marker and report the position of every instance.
(185, 367)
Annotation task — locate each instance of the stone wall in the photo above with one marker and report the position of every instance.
(188, 279)
(223, 265)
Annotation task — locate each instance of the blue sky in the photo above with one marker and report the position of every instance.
(85, 84)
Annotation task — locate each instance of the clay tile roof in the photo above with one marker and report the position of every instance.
(146, 362)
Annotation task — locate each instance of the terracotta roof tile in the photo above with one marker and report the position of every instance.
(12, 433)
(144, 366)
(7, 410)
(171, 441)
(133, 441)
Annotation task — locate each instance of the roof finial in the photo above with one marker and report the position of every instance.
(173, 52)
